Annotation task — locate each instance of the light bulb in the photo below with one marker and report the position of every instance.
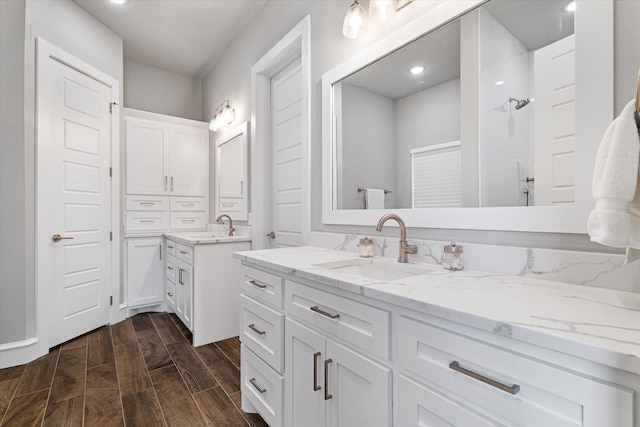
(570, 7)
(355, 22)
(382, 10)
(416, 70)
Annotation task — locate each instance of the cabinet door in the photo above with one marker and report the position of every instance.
(184, 293)
(304, 382)
(188, 161)
(147, 157)
(360, 389)
(144, 271)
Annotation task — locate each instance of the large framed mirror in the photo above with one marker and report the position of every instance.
(476, 115)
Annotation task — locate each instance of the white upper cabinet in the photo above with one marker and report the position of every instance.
(167, 158)
(188, 161)
(231, 178)
(147, 157)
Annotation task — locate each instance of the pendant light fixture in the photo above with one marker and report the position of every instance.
(382, 10)
(355, 22)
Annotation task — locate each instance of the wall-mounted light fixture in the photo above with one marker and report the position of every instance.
(223, 116)
(355, 22)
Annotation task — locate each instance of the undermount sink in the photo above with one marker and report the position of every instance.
(382, 270)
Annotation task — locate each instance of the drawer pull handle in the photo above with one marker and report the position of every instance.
(183, 252)
(256, 330)
(316, 387)
(147, 221)
(257, 386)
(170, 294)
(180, 276)
(188, 221)
(257, 285)
(514, 389)
(169, 268)
(147, 204)
(188, 205)
(324, 313)
(227, 205)
(327, 395)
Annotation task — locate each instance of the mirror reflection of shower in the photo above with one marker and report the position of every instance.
(520, 103)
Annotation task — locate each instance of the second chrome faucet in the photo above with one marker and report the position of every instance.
(403, 247)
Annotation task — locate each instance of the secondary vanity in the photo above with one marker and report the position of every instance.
(330, 339)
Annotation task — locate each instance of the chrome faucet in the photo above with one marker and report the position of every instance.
(403, 247)
(220, 221)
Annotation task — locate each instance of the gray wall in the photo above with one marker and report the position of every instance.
(70, 28)
(151, 89)
(368, 152)
(12, 195)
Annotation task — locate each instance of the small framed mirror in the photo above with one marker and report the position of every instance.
(231, 173)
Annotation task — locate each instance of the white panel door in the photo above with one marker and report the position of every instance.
(75, 202)
(188, 161)
(360, 389)
(286, 156)
(147, 164)
(304, 387)
(554, 123)
(145, 271)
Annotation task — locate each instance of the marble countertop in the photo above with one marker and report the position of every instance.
(204, 238)
(595, 324)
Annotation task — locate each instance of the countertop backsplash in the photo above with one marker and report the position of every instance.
(582, 268)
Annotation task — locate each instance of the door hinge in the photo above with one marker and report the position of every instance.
(111, 300)
(111, 172)
(111, 236)
(111, 104)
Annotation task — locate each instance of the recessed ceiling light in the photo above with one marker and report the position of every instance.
(416, 70)
(499, 82)
(570, 7)
(119, 1)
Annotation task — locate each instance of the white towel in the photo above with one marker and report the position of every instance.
(374, 199)
(615, 221)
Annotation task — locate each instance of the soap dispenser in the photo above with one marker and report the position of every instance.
(365, 247)
(453, 257)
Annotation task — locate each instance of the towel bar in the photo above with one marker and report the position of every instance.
(360, 189)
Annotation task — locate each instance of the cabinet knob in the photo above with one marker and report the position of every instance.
(271, 235)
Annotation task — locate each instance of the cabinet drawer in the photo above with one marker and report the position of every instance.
(184, 253)
(170, 268)
(265, 287)
(545, 395)
(262, 331)
(262, 386)
(231, 205)
(356, 323)
(187, 203)
(147, 203)
(170, 290)
(188, 220)
(418, 405)
(171, 247)
(147, 221)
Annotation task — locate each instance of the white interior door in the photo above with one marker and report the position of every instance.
(74, 201)
(286, 156)
(554, 123)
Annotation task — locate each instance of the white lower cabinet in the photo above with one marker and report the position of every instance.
(350, 361)
(184, 293)
(328, 384)
(144, 272)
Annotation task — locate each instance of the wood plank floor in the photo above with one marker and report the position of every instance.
(140, 372)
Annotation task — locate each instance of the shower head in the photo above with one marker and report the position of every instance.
(520, 103)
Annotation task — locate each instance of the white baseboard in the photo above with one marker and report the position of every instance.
(21, 352)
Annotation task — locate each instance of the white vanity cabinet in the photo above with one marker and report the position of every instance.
(329, 384)
(144, 273)
(203, 278)
(353, 360)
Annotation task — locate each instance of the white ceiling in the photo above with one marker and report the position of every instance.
(183, 36)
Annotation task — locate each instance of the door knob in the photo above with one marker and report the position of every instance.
(56, 238)
(271, 235)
